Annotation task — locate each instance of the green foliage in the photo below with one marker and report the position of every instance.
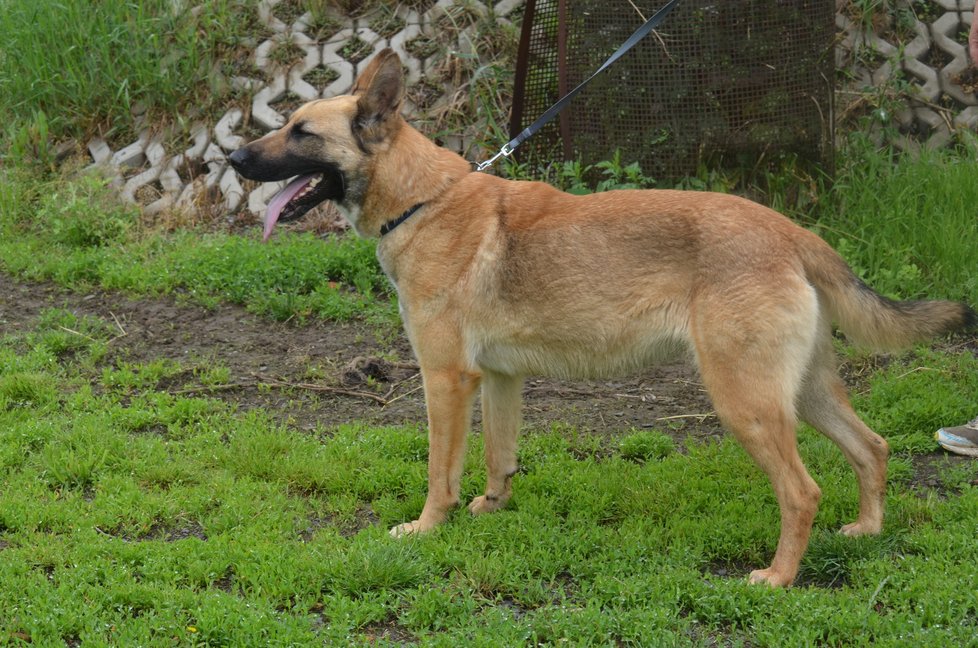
(646, 446)
(75, 232)
(64, 335)
(285, 277)
(918, 393)
(906, 223)
(84, 214)
(378, 565)
(133, 516)
(832, 558)
(31, 143)
(577, 178)
(86, 65)
(30, 390)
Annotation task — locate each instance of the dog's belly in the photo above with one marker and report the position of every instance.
(588, 358)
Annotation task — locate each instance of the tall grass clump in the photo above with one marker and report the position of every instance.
(81, 67)
(907, 223)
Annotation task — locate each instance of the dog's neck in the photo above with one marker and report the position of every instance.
(412, 170)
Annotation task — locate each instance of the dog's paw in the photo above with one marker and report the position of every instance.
(483, 504)
(408, 528)
(769, 577)
(860, 528)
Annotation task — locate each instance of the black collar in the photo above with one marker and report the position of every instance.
(389, 226)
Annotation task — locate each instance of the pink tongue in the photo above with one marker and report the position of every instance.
(281, 199)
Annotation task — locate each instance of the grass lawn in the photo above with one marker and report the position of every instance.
(133, 515)
(137, 512)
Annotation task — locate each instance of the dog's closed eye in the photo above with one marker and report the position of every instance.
(301, 131)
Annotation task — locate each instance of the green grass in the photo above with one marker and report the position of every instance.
(84, 66)
(131, 516)
(908, 224)
(75, 233)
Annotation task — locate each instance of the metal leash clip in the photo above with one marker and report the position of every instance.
(505, 151)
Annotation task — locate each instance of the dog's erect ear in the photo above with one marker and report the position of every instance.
(379, 89)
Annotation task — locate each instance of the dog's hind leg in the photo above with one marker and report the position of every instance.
(767, 432)
(500, 426)
(448, 395)
(824, 404)
(752, 364)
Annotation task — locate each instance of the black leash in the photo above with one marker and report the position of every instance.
(552, 112)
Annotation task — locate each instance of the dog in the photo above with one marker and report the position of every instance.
(500, 279)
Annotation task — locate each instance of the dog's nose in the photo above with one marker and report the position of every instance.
(239, 158)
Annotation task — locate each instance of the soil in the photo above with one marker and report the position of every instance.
(323, 374)
(326, 373)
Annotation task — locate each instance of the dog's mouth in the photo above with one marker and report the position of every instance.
(298, 197)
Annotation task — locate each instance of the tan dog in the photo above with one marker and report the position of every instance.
(500, 279)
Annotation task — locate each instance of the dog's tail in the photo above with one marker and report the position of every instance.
(866, 317)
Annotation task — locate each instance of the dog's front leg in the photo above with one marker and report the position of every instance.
(500, 426)
(448, 395)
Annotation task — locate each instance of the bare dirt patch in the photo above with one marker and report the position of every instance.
(319, 375)
(323, 374)
(328, 373)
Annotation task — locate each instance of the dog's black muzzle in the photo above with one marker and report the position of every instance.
(256, 166)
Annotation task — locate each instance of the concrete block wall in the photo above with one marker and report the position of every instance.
(913, 66)
(926, 53)
(159, 179)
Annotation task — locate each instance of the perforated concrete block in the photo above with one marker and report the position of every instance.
(296, 84)
(100, 151)
(231, 189)
(133, 155)
(224, 130)
(933, 57)
(170, 178)
(155, 152)
(268, 18)
(261, 112)
(938, 107)
(507, 7)
(134, 183)
(201, 137)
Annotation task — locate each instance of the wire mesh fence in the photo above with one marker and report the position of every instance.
(721, 83)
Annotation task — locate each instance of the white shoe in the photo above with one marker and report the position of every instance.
(962, 439)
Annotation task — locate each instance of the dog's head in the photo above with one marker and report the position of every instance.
(327, 144)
